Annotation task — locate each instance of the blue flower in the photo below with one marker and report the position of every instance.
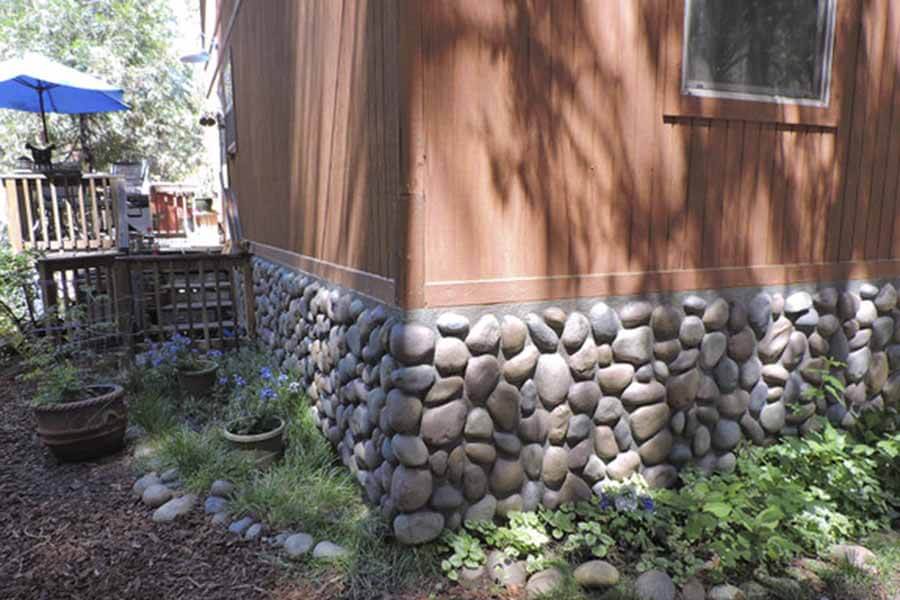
(647, 503)
(228, 333)
(223, 380)
(282, 378)
(266, 393)
(239, 381)
(605, 502)
(214, 353)
(265, 373)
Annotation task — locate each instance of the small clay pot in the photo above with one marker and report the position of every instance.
(197, 382)
(265, 447)
(84, 429)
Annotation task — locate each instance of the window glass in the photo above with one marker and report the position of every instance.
(766, 50)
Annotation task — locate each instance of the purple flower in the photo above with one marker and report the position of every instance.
(265, 373)
(214, 353)
(238, 380)
(223, 380)
(266, 393)
(647, 503)
(605, 502)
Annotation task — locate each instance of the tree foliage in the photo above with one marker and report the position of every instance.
(128, 43)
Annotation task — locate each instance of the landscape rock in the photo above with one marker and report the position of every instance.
(298, 544)
(654, 585)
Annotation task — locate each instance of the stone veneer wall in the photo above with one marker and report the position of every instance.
(465, 420)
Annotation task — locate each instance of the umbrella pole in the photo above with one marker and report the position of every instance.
(43, 115)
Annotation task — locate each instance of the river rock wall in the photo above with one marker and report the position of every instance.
(465, 419)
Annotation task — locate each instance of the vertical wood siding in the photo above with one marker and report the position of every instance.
(316, 168)
(553, 172)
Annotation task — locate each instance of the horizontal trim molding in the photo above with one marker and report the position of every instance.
(375, 286)
(530, 289)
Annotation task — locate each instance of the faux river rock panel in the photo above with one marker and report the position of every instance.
(471, 419)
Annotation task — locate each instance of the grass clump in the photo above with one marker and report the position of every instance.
(153, 411)
(201, 458)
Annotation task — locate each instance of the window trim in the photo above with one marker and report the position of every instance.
(791, 111)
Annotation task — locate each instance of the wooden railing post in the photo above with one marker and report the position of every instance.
(120, 211)
(123, 303)
(249, 298)
(13, 216)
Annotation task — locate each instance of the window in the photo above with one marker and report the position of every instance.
(760, 50)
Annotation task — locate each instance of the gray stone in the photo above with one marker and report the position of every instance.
(137, 490)
(579, 428)
(636, 313)
(741, 345)
(402, 412)
(583, 397)
(451, 355)
(169, 475)
(712, 349)
(656, 449)
(417, 528)
(413, 380)
(604, 323)
(474, 482)
(214, 504)
(866, 313)
(691, 331)
(759, 313)
(807, 321)
(726, 434)
(504, 571)
(298, 544)
(667, 351)
(506, 476)
(443, 390)
(510, 504)
(584, 362)
(645, 373)
(329, 551)
(827, 325)
(797, 303)
(660, 476)
(411, 343)
(654, 585)
(772, 417)
(254, 532)
(594, 469)
(857, 556)
(727, 374)
(615, 378)
(410, 488)
(702, 441)
(542, 334)
(877, 374)
(481, 453)
(221, 487)
(174, 508)
(750, 373)
(409, 450)
(752, 429)
(484, 337)
(479, 425)
(443, 424)
(637, 394)
(532, 460)
(665, 322)
(503, 406)
(716, 315)
(220, 519)
(156, 495)
(608, 411)
(532, 493)
(240, 526)
(555, 466)
(725, 463)
(543, 583)
(596, 574)
(795, 350)
(694, 305)
(693, 590)
(555, 317)
(446, 497)
(775, 374)
(728, 592)
(648, 420)
(520, 367)
(623, 465)
(513, 335)
(536, 427)
(634, 346)
(773, 343)
(552, 378)
(886, 300)
(453, 324)
(733, 405)
(576, 331)
(882, 331)
(858, 363)
(483, 510)
(687, 359)
(622, 432)
(482, 375)
(825, 300)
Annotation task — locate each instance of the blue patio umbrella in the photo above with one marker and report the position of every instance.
(37, 84)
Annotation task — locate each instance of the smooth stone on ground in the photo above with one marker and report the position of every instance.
(240, 526)
(654, 585)
(253, 532)
(214, 505)
(725, 592)
(156, 495)
(858, 556)
(169, 475)
(174, 508)
(418, 528)
(596, 573)
(543, 582)
(221, 488)
(329, 550)
(143, 483)
(298, 544)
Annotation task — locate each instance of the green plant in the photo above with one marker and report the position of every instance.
(152, 410)
(16, 288)
(828, 386)
(465, 551)
(58, 384)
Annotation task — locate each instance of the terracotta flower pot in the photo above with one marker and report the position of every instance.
(265, 447)
(198, 381)
(87, 428)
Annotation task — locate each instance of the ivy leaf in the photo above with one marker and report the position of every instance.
(719, 509)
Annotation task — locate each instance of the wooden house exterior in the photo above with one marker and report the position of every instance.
(437, 154)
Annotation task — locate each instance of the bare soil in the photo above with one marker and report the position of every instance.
(75, 531)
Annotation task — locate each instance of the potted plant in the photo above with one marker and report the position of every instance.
(77, 420)
(256, 427)
(196, 371)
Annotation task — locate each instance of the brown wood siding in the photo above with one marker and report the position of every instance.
(553, 169)
(318, 148)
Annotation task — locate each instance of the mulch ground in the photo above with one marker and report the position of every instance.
(75, 531)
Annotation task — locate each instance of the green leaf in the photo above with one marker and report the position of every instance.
(719, 509)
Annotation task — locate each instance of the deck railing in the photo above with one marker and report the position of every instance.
(61, 211)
